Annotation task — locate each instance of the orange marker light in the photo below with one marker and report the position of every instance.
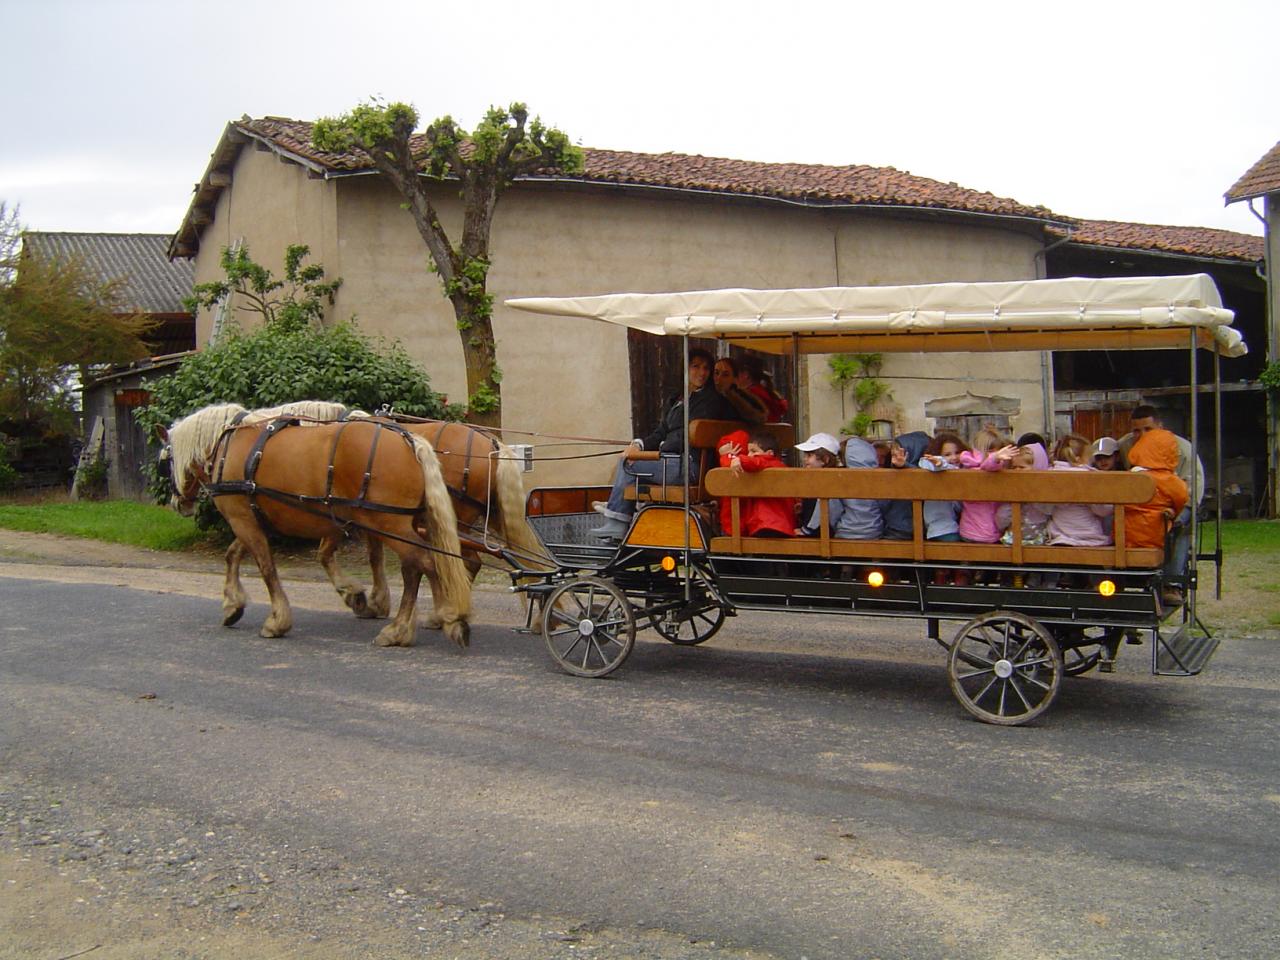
(668, 563)
(875, 578)
(1106, 588)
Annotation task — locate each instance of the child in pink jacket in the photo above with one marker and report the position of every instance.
(978, 517)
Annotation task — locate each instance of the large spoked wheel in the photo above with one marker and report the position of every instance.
(589, 627)
(692, 625)
(1005, 668)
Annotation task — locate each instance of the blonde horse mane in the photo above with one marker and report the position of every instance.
(442, 532)
(192, 439)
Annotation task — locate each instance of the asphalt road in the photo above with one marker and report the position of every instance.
(800, 786)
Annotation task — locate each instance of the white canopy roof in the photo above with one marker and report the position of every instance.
(1068, 314)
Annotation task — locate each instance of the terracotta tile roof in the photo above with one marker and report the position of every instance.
(154, 283)
(1204, 242)
(1262, 178)
(813, 183)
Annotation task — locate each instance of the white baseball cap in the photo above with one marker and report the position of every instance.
(820, 441)
(1103, 447)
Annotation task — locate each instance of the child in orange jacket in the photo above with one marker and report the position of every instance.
(1145, 524)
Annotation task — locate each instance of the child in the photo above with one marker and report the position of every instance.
(763, 516)
(1145, 524)
(1076, 524)
(821, 451)
(1035, 521)
(857, 518)
(906, 453)
(730, 445)
(990, 451)
(942, 517)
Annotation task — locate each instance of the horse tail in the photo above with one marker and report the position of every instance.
(515, 526)
(442, 530)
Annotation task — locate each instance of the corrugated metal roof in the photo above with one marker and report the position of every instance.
(153, 282)
(1260, 179)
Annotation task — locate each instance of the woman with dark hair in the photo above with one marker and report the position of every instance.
(753, 379)
(705, 403)
(725, 379)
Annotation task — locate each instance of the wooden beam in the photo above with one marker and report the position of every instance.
(219, 178)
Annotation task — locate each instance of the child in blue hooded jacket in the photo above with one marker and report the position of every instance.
(853, 518)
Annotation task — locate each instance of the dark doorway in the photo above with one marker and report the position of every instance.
(657, 374)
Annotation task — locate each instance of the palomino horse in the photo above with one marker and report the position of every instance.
(314, 483)
(484, 484)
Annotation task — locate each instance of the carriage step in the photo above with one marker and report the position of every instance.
(1182, 653)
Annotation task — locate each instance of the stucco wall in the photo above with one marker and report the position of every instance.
(269, 205)
(568, 377)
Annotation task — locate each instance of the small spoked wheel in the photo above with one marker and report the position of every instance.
(689, 626)
(1005, 667)
(589, 627)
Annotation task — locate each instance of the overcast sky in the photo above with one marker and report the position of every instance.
(1118, 110)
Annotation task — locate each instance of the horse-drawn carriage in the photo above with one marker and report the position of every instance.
(673, 572)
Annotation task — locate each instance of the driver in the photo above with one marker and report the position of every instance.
(705, 403)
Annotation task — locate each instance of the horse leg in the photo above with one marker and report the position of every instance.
(399, 632)
(379, 593)
(233, 595)
(433, 620)
(280, 620)
(352, 593)
(444, 616)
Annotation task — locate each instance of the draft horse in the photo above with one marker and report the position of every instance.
(484, 484)
(315, 483)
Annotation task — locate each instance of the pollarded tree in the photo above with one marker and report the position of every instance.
(484, 163)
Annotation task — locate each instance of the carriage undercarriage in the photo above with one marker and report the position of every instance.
(1005, 659)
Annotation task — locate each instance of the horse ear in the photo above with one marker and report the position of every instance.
(161, 433)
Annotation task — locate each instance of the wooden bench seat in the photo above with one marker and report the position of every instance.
(1014, 487)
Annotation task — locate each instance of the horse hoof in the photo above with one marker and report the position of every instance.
(459, 632)
(232, 618)
(432, 621)
(388, 636)
(359, 605)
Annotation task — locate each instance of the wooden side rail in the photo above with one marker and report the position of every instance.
(704, 437)
(1014, 487)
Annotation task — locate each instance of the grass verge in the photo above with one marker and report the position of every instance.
(1250, 604)
(113, 521)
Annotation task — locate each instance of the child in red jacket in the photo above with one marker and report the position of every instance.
(759, 516)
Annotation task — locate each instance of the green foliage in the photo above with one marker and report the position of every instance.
(59, 323)
(858, 370)
(1270, 376)
(114, 521)
(485, 399)
(867, 391)
(859, 425)
(8, 475)
(296, 301)
(91, 479)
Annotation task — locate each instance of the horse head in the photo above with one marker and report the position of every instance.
(188, 447)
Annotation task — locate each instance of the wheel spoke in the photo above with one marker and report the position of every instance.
(975, 673)
(1021, 696)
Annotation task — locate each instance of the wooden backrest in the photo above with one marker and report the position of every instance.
(1005, 486)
